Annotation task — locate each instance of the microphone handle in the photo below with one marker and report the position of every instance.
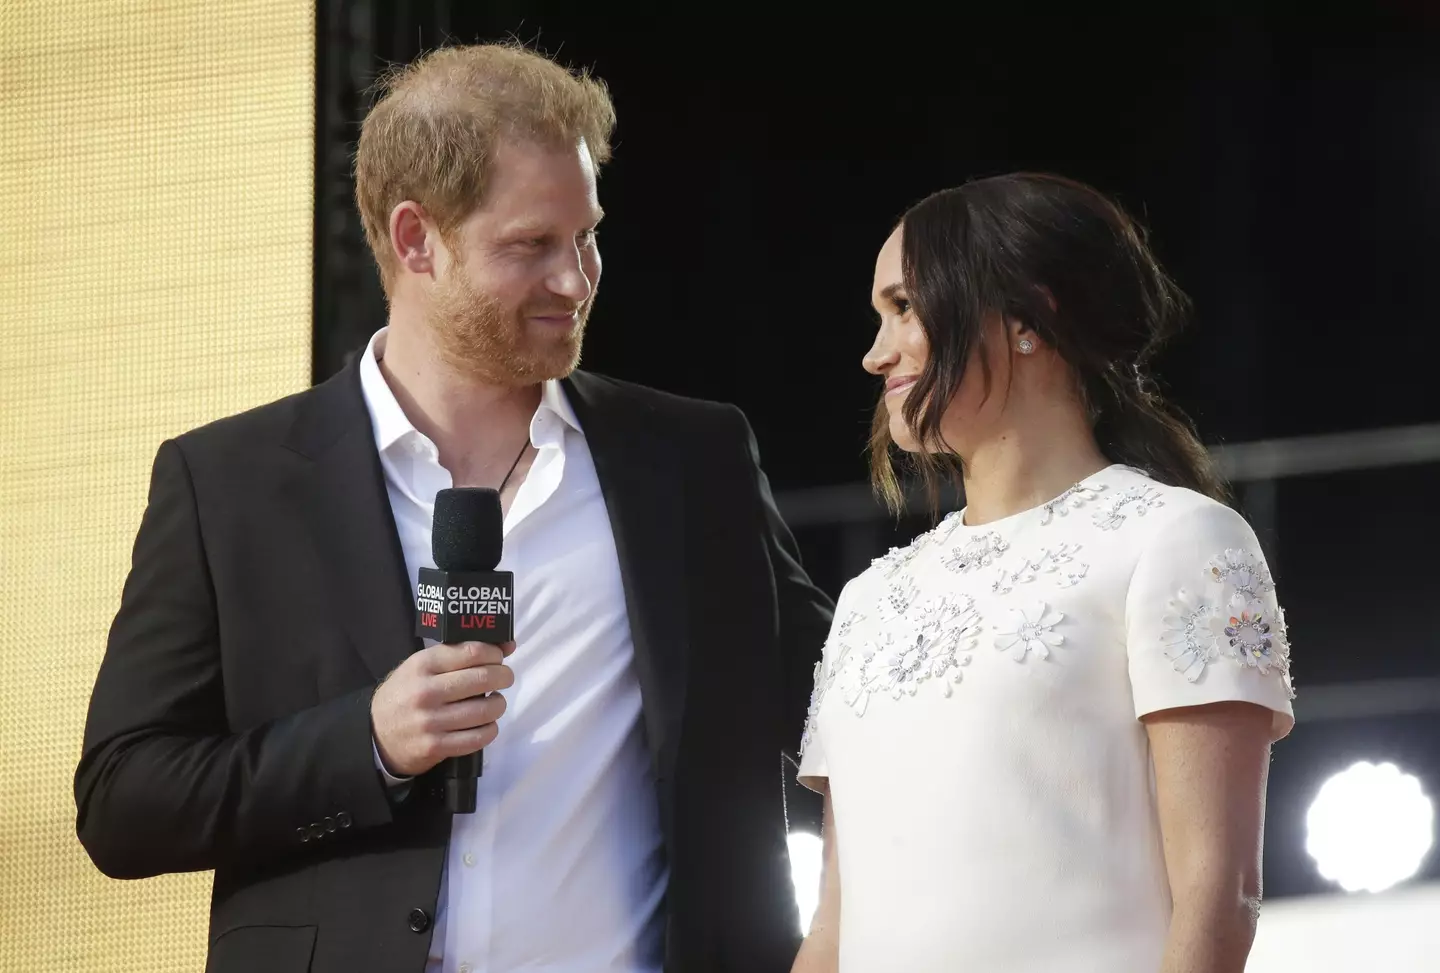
(462, 775)
(461, 780)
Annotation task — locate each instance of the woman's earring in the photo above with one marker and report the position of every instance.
(1026, 346)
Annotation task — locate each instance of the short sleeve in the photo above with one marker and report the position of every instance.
(813, 770)
(1203, 622)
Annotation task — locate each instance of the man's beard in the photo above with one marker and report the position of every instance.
(477, 335)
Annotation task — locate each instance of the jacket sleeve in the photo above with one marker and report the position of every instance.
(805, 610)
(163, 784)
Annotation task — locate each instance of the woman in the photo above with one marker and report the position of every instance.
(1042, 729)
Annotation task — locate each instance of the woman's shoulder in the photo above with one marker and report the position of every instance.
(1155, 521)
(1137, 498)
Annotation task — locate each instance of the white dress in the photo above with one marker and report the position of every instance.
(976, 715)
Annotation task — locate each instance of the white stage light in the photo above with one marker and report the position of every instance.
(1370, 827)
(807, 858)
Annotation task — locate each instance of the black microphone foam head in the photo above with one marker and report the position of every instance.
(468, 529)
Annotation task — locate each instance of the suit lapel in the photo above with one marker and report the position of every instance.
(640, 480)
(342, 498)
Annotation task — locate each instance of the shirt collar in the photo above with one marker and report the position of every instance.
(552, 398)
(386, 417)
(390, 422)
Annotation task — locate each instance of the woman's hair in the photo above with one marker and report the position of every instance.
(1069, 263)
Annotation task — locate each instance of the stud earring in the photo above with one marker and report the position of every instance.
(1026, 346)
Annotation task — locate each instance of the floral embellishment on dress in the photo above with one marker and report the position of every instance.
(897, 557)
(1032, 631)
(1243, 571)
(842, 631)
(894, 559)
(1251, 640)
(898, 597)
(935, 649)
(942, 531)
(1190, 637)
(812, 715)
(1138, 500)
(980, 551)
(1056, 561)
(1242, 622)
(825, 678)
(1072, 499)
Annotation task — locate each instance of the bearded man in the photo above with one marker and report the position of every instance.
(264, 708)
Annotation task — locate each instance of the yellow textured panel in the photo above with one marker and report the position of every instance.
(155, 246)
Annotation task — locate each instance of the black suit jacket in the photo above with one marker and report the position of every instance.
(230, 726)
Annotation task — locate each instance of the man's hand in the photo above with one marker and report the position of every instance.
(434, 705)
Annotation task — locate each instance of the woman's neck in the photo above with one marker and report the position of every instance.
(1028, 464)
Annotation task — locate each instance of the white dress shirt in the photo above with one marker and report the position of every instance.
(561, 867)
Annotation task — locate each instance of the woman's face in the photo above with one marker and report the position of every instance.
(900, 352)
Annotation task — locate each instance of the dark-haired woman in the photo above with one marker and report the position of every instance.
(1043, 728)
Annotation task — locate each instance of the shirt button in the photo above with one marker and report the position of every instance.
(469, 860)
(466, 968)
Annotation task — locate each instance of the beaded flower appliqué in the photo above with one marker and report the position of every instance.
(933, 648)
(1243, 571)
(980, 551)
(1240, 622)
(1031, 631)
(1138, 500)
(1190, 638)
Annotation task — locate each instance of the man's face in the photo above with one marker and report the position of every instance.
(510, 304)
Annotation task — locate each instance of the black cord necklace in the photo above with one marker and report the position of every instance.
(518, 457)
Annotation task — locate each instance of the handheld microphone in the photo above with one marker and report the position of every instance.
(464, 599)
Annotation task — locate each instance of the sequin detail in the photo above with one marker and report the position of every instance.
(1243, 571)
(896, 558)
(935, 649)
(1057, 563)
(825, 676)
(1251, 640)
(1242, 623)
(1190, 638)
(1138, 500)
(980, 551)
(899, 595)
(1072, 499)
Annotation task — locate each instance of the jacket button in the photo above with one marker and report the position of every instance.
(317, 830)
(330, 824)
(304, 835)
(343, 819)
(419, 920)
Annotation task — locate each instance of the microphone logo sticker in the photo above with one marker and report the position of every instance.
(456, 606)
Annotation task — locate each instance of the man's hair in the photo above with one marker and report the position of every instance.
(432, 136)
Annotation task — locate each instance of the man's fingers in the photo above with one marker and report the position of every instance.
(465, 655)
(468, 741)
(448, 687)
(468, 714)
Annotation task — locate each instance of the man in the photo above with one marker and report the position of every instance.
(264, 708)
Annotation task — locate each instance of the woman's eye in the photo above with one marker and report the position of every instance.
(902, 306)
